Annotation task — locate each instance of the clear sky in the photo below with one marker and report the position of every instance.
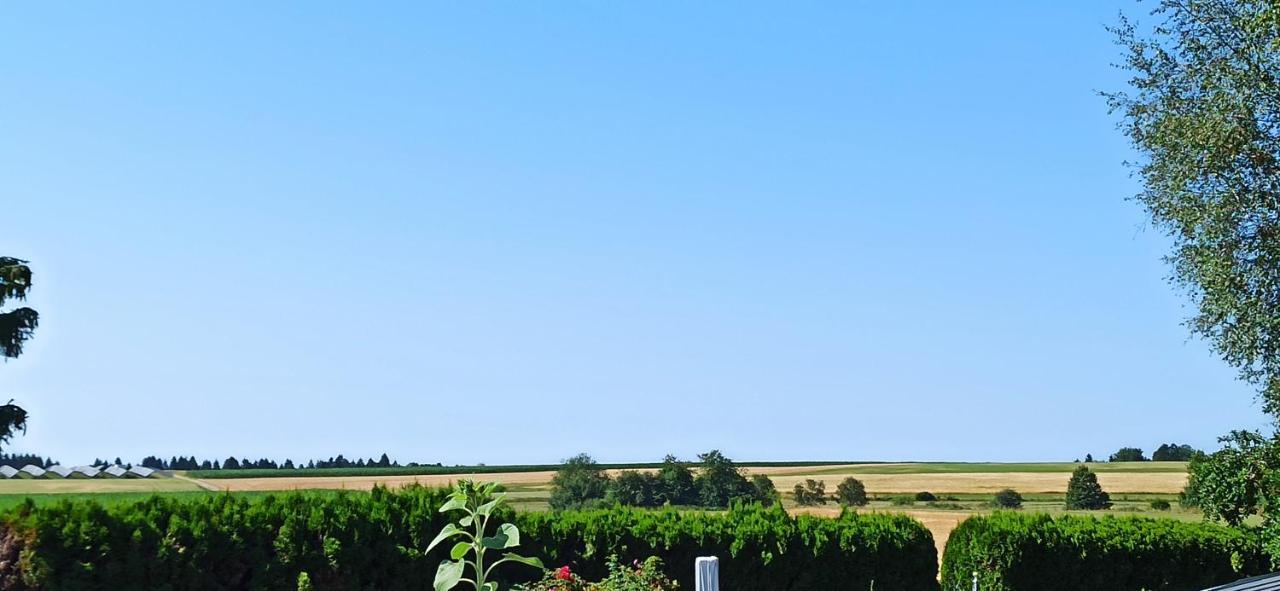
(510, 232)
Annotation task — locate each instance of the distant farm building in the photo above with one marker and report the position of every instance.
(115, 471)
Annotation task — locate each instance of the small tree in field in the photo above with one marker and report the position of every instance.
(765, 492)
(811, 492)
(1008, 499)
(1128, 454)
(579, 481)
(851, 492)
(675, 483)
(1084, 492)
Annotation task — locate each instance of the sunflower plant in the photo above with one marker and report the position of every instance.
(478, 502)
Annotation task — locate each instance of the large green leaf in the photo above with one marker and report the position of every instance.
(529, 560)
(459, 550)
(446, 532)
(448, 575)
(508, 536)
(456, 501)
(488, 508)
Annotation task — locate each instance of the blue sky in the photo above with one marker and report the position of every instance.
(510, 232)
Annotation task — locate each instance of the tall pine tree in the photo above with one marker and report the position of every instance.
(1084, 492)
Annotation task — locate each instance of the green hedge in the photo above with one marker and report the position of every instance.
(373, 541)
(759, 549)
(1037, 552)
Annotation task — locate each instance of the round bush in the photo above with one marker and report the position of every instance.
(1008, 499)
(926, 496)
(1160, 505)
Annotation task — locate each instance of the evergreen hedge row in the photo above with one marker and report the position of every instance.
(374, 541)
(1037, 552)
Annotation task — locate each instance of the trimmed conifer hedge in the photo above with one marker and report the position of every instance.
(374, 541)
(1037, 552)
(760, 549)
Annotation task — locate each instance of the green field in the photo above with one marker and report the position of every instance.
(992, 467)
(451, 470)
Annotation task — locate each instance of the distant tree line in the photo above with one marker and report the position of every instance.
(233, 463)
(20, 460)
(1167, 452)
(582, 482)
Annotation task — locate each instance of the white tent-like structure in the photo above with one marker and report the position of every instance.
(84, 472)
(142, 472)
(116, 471)
(8, 471)
(30, 471)
(57, 471)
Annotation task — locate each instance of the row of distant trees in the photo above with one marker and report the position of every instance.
(1167, 452)
(232, 463)
(20, 460)
(582, 482)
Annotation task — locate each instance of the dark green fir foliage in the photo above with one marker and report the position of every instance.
(378, 541)
(1015, 551)
(1084, 492)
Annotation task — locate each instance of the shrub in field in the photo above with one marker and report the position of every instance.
(1172, 452)
(851, 492)
(1084, 492)
(720, 482)
(1128, 454)
(1161, 505)
(675, 483)
(1035, 552)
(765, 492)
(811, 492)
(579, 481)
(638, 489)
(644, 575)
(926, 496)
(903, 500)
(1007, 499)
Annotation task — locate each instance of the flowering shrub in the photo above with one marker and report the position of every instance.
(638, 576)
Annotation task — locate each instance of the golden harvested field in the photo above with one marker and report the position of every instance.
(95, 485)
(1119, 481)
(991, 482)
(368, 482)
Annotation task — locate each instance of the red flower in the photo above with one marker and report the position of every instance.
(563, 573)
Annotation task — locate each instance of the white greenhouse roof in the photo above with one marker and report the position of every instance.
(141, 471)
(58, 470)
(8, 472)
(88, 471)
(35, 471)
(116, 471)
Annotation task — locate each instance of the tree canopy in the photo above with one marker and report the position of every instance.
(16, 327)
(1203, 110)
